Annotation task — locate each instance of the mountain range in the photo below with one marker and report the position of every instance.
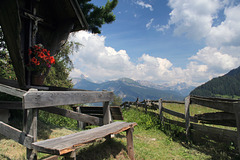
(130, 90)
(226, 85)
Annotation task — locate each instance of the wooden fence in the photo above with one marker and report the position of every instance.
(228, 115)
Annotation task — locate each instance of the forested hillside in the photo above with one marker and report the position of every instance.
(229, 85)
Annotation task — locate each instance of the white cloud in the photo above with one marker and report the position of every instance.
(101, 63)
(216, 60)
(193, 18)
(144, 5)
(228, 32)
(149, 24)
(197, 20)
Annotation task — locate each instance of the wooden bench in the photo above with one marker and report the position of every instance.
(65, 144)
(34, 100)
(97, 111)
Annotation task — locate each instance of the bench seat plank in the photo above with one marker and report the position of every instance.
(65, 144)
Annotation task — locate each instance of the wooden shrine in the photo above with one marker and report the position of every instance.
(29, 22)
(49, 22)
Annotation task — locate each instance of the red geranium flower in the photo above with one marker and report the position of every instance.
(40, 59)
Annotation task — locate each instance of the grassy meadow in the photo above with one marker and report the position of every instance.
(151, 139)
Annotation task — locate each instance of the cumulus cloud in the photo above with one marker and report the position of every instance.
(144, 5)
(193, 18)
(197, 20)
(200, 20)
(215, 59)
(101, 63)
(228, 32)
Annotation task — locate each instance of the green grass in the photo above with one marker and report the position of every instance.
(228, 96)
(151, 140)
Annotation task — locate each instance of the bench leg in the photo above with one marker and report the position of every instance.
(71, 156)
(130, 147)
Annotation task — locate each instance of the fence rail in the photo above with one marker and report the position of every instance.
(229, 115)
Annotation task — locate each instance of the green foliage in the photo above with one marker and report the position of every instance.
(6, 68)
(145, 120)
(59, 73)
(117, 101)
(224, 85)
(97, 16)
(57, 120)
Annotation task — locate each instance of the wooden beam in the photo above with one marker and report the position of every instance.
(10, 105)
(106, 113)
(40, 99)
(237, 116)
(9, 82)
(214, 133)
(16, 135)
(215, 116)
(74, 115)
(12, 91)
(215, 103)
(176, 114)
(179, 115)
(177, 102)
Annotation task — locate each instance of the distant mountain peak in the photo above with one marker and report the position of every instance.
(129, 89)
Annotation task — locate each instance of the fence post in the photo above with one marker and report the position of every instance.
(80, 124)
(137, 103)
(187, 115)
(160, 105)
(30, 118)
(145, 105)
(237, 114)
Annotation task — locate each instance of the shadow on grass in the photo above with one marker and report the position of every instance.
(103, 150)
(4, 157)
(216, 149)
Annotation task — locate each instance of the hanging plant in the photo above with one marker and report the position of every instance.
(40, 62)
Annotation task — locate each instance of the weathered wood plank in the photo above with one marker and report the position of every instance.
(237, 116)
(215, 116)
(160, 106)
(218, 134)
(74, 115)
(187, 115)
(106, 113)
(10, 105)
(130, 147)
(214, 133)
(16, 135)
(215, 103)
(66, 144)
(12, 91)
(8, 82)
(31, 128)
(177, 102)
(177, 114)
(40, 99)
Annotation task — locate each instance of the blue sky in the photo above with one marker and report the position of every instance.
(162, 41)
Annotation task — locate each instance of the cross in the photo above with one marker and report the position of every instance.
(35, 26)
